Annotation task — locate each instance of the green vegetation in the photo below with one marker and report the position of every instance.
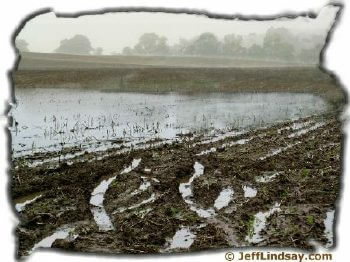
(305, 172)
(173, 211)
(250, 225)
(310, 219)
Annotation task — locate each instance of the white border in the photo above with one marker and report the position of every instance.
(13, 12)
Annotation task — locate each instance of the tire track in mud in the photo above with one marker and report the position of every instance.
(100, 215)
(230, 140)
(181, 240)
(259, 223)
(260, 217)
(97, 197)
(296, 134)
(234, 146)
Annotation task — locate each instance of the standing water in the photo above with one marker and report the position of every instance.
(97, 197)
(52, 119)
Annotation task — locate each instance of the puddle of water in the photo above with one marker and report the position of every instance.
(186, 192)
(145, 184)
(260, 223)
(22, 203)
(101, 218)
(186, 188)
(205, 152)
(183, 238)
(306, 130)
(151, 199)
(144, 212)
(205, 213)
(279, 150)
(50, 118)
(99, 191)
(135, 163)
(233, 143)
(238, 142)
(97, 197)
(60, 233)
(295, 126)
(224, 198)
(267, 177)
(99, 150)
(328, 232)
(143, 187)
(249, 191)
(222, 136)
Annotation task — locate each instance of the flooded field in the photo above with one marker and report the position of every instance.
(156, 141)
(156, 173)
(51, 120)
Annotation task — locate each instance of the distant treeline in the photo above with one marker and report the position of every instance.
(276, 44)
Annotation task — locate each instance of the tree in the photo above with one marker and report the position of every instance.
(255, 51)
(232, 45)
(311, 55)
(251, 39)
(127, 51)
(278, 43)
(98, 51)
(21, 45)
(152, 44)
(181, 48)
(206, 44)
(78, 45)
(162, 47)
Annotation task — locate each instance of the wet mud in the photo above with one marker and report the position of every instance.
(275, 186)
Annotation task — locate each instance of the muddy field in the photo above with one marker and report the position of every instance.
(57, 61)
(173, 159)
(275, 186)
(88, 72)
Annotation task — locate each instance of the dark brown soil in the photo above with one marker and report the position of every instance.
(307, 187)
(187, 80)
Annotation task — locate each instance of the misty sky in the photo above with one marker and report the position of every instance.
(114, 31)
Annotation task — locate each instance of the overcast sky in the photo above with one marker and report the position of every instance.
(113, 31)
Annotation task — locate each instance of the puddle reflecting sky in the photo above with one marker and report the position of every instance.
(50, 118)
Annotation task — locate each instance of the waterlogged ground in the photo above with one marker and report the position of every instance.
(260, 169)
(57, 119)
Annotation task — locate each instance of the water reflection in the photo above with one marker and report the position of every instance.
(52, 119)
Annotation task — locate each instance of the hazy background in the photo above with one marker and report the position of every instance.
(114, 31)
